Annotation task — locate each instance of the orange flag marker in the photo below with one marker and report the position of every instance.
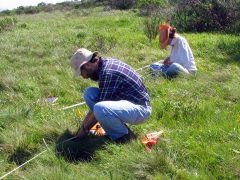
(150, 139)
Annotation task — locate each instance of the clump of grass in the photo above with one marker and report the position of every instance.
(7, 23)
(151, 27)
(103, 42)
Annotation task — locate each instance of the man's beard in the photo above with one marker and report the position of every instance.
(93, 75)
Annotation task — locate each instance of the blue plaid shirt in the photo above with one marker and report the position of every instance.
(118, 81)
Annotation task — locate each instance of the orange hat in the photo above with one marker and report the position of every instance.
(164, 30)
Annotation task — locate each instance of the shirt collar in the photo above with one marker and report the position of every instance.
(173, 42)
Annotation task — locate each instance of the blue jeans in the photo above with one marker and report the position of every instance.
(174, 69)
(169, 70)
(112, 115)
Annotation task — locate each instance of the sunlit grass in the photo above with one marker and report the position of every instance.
(198, 114)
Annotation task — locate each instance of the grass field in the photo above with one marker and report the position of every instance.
(200, 115)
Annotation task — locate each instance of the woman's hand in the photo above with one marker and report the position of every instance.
(167, 61)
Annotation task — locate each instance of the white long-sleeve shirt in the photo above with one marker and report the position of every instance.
(181, 53)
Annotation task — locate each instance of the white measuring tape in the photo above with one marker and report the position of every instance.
(68, 107)
(35, 157)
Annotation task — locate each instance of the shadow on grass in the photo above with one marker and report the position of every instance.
(20, 156)
(76, 150)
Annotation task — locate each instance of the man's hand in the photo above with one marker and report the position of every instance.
(82, 132)
(87, 124)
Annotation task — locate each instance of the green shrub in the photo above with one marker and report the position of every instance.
(103, 42)
(7, 23)
(202, 15)
(87, 3)
(24, 26)
(20, 10)
(31, 10)
(158, 8)
(81, 36)
(5, 13)
(122, 4)
(151, 27)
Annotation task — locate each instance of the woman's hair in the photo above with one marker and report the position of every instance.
(172, 32)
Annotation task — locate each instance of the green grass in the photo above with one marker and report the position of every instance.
(198, 114)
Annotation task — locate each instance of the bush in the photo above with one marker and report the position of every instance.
(202, 15)
(122, 4)
(31, 10)
(87, 3)
(20, 10)
(157, 11)
(158, 8)
(81, 37)
(151, 27)
(7, 23)
(103, 42)
(24, 26)
(6, 13)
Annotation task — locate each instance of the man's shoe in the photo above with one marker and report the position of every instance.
(126, 138)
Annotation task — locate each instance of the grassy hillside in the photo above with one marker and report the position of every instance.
(200, 115)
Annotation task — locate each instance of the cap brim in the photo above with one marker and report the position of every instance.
(164, 37)
(164, 30)
(95, 52)
(78, 71)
